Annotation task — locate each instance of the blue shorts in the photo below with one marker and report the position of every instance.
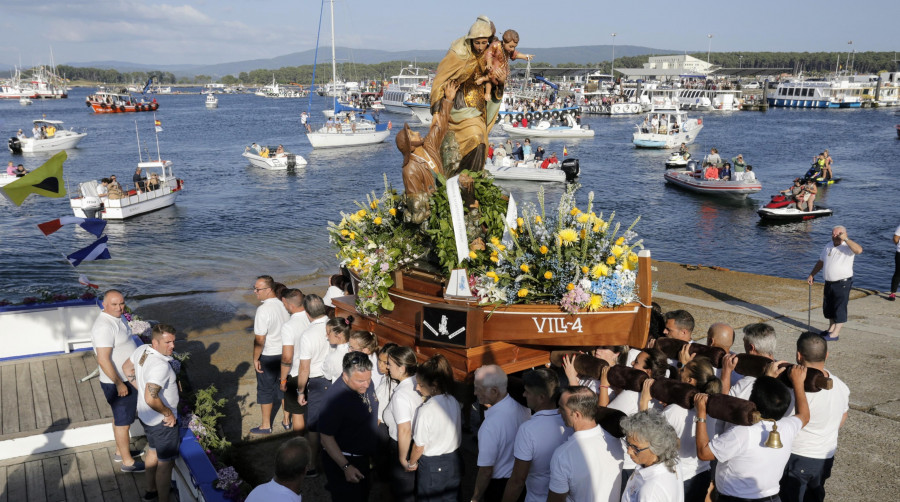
(164, 440)
(268, 386)
(316, 393)
(124, 409)
(836, 298)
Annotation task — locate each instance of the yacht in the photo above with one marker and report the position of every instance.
(411, 80)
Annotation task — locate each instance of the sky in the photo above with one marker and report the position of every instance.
(221, 31)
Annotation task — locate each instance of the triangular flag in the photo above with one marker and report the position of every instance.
(84, 281)
(96, 251)
(92, 225)
(46, 180)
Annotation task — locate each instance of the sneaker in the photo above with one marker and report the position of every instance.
(134, 453)
(260, 430)
(830, 338)
(893, 297)
(312, 473)
(138, 466)
(150, 496)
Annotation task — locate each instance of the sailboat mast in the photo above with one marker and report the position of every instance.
(140, 159)
(333, 63)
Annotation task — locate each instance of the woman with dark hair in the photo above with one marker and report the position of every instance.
(402, 366)
(338, 332)
(383, 392)
(367, 343)
(652, 445)
(436, 433)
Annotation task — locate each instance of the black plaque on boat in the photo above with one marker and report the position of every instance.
(451, 325)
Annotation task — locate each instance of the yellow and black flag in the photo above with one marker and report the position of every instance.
(46, 180)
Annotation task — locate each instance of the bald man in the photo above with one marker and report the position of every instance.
(720, 335)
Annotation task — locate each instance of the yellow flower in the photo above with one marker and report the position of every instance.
(361, 213)
(393, 212)
(495, 241)
(567, 236)
(599, 271)
(524, 268)
(538, 220)
(620, 241)
(501, 247)
(522, 293)
(548, 275)
(493, 275)
(574, 211)
(570, 286)
(512, 231)
(583, 233)
(377, 220)
(354, 263)
(617, 251)
(494, 252)
(584, 270)
(352, 235)
(355, 218)
(520, 221)
(611, 260)
(345, 232)
(596, 303)
(472, 255)
(633, 258)
(544, 250)
(374, 204)
(583, 218)
(595, 228)
(495, 259)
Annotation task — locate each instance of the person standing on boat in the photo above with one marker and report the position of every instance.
(304, 120)
(738, 167)
(526, 149)
(139, 180)
(713, 158)
(837, 261)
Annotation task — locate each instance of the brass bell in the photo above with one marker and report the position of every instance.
(774, 440)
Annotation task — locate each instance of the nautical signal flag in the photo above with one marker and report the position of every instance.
(158, 125)
(96, 251)
(46, 180)
(92, 225)
(565, 152)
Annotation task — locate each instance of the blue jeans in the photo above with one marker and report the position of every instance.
(804, 479)
(438, 478)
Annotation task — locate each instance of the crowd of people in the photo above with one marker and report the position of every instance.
(519, 153)
(714, 168)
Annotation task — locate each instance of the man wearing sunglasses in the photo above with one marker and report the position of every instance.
(270, 317)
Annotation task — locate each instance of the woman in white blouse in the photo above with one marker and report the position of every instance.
(338, 332)
(402, 365)
(652, 444)
(436, 434)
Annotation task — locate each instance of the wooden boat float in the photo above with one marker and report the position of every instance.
(516, 337)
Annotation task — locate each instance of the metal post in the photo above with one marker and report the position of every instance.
(709, 47)
(612, 64)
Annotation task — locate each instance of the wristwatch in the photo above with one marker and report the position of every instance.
(698, 419)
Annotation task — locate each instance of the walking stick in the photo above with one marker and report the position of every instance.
(809, 310)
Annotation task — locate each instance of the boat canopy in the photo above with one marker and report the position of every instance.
(44, 121)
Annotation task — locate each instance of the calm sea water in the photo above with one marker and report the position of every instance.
(234, 221)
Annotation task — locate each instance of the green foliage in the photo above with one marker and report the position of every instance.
(208, 411)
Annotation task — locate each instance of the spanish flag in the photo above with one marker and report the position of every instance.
(158, 125)
(46, 180)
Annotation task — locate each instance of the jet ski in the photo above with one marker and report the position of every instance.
(677, 160)
(815, 173)
(783, 209)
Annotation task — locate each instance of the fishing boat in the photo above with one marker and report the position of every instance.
(567, 170)
(104, 101)
(354, 129)
(212, 101)
(273, 161)
(55, 138)
(694, 182)
(159, 191)
(666, 128)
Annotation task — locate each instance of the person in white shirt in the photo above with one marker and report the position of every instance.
(747, 468)
(437, 432)
(270, 316)
(679, 325)
(150, 367)
(335, 289)
(812, 453)
(367, 343)
(113, 344)
(311, 352)
(537, 438)
(653, 445)
(759, 340)
(383, 393)
(338, 333)
(837, 260)
(497, 434)
(292, 299)
(402, 365)
(587, 467)
(291, 461)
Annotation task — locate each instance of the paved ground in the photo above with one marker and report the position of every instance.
(216, 330)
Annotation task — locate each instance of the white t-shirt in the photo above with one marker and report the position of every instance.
(333, 365)
(437, 425)
(497, 435)
(154, 369)
(332, 292)
(747, 468)
(290, 335)
(402, 406)
(588, 467)
(743, 387)
(313, 346)
(109, 331)
(271, 492)
(270, 316)
(897, 233)
(838, 262)
(536, 441)
(826, 410)
(628, 402)
(654, 484)
(682, 421)
(377, 377)
(383, 392)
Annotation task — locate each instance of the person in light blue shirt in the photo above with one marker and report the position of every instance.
(526, 149)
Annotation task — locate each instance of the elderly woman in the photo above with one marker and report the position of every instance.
(652, 445)
(472, 117)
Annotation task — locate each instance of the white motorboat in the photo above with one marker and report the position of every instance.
(421, 111)
(275, 90)
(273, 161)
(411, 81)
(694, 182)
(6, 179)
(56, 138)
(544, 129)
(531, 170)
(212, 101)
(355, 129)
(25, 101)
(158, 191)
(666, 128)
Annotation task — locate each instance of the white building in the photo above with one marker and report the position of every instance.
(669, 67)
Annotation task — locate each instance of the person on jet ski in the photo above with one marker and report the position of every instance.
(807, 196)
(794, 191)
(684, 152)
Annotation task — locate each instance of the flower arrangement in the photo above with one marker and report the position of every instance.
(375, 242)
(45, 296)
(571, 257)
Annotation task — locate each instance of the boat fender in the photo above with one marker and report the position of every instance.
(102, 105)
(519, 117)
(555, 116)
(122, 108)
(547, 115)
(88, 102)
(529, 116)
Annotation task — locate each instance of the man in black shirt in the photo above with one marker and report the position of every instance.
(348, 427)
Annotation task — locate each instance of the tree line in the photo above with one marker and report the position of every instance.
(810, 63)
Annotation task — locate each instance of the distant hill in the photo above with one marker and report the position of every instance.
(585, 54)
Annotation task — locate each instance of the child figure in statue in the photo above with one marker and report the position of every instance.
(497, 57)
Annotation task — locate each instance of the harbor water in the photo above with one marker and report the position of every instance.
(234, 221)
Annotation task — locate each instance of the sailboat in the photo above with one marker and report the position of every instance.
(347, 128)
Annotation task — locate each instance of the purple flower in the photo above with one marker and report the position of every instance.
(29, 300)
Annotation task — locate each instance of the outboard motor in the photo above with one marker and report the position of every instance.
(291, 161)
(91, 206)
(571, 168)
(693, 165)
(15, 146)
